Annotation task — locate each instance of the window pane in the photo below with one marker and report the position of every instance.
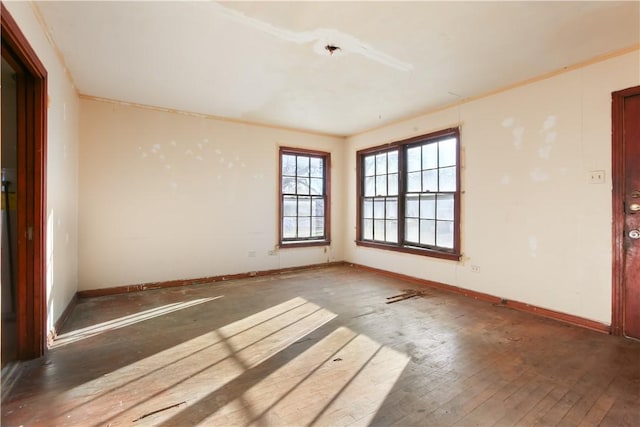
(430, 156)
(317, 206)
(378, 208)
(392, 162)
(288, 185)
(304, 227)
(448, 179)
(381, 164)
(381, 185)
(303, 166)
(367, 229)
(428, 206)
(317, 227)
(369, 166)
(392, 231)
(411, 207)
(304, 206)
(447, 152)
(302, 186)
(367, 210)
(288, 164)
(289, 227)
(445, 206)
(413, 159)
(444, 237)
(413, 182)
(289, 206)
(378, 229)
(427, 232)
(392, 183)
(316, 186)
(430, 180)
(370, 186)
(411, 230)
(392, 209)
(316, 167)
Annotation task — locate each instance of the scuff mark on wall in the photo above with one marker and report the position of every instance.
(544, 152)
(538, 175)
(533, 246)
(508, 122)
(549, 122)
(550, 136)
(518, 133)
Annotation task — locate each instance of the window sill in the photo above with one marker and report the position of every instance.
(412, 250)
(305, 243)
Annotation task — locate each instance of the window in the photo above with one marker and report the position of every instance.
(409, 196)
(304, 197)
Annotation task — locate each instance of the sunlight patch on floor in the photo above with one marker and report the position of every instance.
(196, 367)
(121, 322)
(341, 380)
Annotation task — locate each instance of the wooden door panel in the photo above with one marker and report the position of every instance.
(631, 135)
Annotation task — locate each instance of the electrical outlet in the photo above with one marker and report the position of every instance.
(251, 254)
(596, 177)
(271, 252)
(475, 269)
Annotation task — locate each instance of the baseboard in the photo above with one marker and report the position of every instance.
(184, 282)
(517, 305)
(57, 326)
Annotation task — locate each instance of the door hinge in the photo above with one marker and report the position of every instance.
(30, 233)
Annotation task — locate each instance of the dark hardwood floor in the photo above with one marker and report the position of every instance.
(322, 347)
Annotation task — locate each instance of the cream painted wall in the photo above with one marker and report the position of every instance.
(538, 230)
(62, 167)
(168, 196)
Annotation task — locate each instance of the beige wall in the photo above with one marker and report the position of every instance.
(168, 196)
(538, 230)
(62, 167)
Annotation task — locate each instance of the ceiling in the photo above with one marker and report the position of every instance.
(266, 62)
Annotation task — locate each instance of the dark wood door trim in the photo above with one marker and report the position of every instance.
(32, 152)
(618, 174)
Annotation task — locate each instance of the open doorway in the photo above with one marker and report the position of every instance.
(25, 191)
(9, 157)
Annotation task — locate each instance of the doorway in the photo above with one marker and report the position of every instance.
(626, 212)
(25, 191)
(9, 157)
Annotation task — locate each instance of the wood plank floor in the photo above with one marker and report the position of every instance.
(321, 347)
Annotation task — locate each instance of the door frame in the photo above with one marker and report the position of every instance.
(618, 172)
(32, 154)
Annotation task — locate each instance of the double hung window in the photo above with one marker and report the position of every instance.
(304, 197)
(409, 196)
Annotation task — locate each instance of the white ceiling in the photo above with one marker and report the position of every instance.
(265, 62)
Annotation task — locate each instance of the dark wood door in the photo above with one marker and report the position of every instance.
(631, 135)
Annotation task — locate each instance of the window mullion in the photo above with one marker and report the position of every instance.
(402, 189)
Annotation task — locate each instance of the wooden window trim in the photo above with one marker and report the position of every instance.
(282, 244)
(454, 254)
